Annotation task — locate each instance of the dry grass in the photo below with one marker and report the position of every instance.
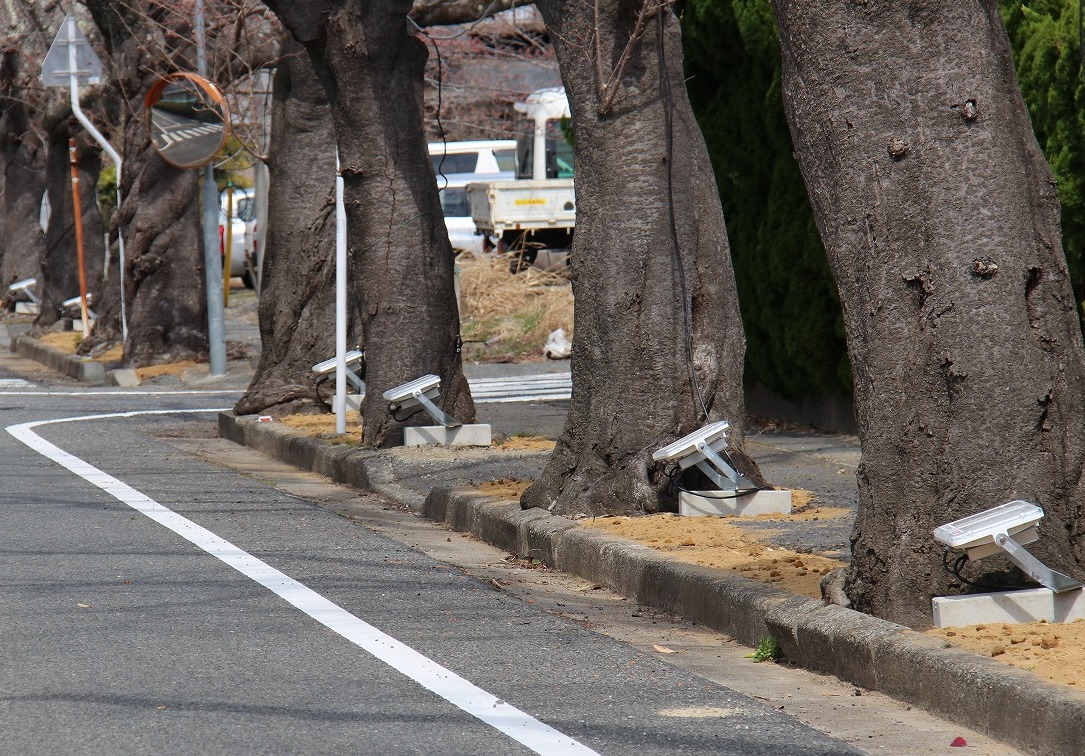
(508, 317)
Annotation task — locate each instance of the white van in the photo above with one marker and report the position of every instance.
(244, 255)
(482, 156)
(461, 226)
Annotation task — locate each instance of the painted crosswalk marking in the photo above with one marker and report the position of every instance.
(542, 387)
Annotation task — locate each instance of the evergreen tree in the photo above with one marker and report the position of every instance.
(1048, 54)
(794, 327)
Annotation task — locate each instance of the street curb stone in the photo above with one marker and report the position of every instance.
(1007, 703)
(80, 368)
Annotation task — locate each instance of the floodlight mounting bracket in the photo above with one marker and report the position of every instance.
(26, 286)
(1005, 529)
(435, 412)
(1033, 567)
(713, 464)
(421, 391)
(702, 448)
(353, 357)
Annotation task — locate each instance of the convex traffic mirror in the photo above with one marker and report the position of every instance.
(187, 117)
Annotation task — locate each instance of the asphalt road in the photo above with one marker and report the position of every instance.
(122, 635)
(164, 591)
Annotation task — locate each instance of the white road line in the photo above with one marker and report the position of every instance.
(148, 392)
(543, 387)
(525, 729)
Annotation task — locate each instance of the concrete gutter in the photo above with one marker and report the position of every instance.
(1007, 703)
(80, 368)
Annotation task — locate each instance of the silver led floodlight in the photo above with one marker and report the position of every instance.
(26, 286)
(421, 391)
(353, 358)
(702, 448)
(73, 305)
(1005, 529)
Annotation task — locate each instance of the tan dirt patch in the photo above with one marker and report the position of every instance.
(68, 341)
(169, 368)
(718, 542)
(1054, 651)
(319, 425)
(526, 443)
(65, 341)
(506, 488)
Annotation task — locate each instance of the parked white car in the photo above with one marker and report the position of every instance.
(244, 255)
(454, 204)
(481, 156)
(459, 163)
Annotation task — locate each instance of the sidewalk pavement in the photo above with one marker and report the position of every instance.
(1009, 704)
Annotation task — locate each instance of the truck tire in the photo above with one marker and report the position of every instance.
(522, 260)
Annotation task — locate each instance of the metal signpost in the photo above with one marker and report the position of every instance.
(212, 260)
(71, 62)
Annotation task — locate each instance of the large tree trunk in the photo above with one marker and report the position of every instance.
(297, 297)
(60, 265)
(372, 67)
(22, 241)
(22, 151)
(941, 223)
(659, 344)
(160, 218)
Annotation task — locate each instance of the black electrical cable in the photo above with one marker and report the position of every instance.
(672, 477)
(958, 565)
(687, 305)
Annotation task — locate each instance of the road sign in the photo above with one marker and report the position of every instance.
(55, 69)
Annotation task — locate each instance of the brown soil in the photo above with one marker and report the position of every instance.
(718, 542)
(68, 341)
(1055, 652)
(526, 443)
(169, 368)
(506, 488)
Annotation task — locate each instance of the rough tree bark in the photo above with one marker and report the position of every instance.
(22, 241)
(167, 307)
(297, 300)
(25, 39)
(59, 263)
(941, 223)
(371, 67)
(659, 345)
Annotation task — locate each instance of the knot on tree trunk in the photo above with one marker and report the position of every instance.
(984, 267)
(145, 266)
(897, 148)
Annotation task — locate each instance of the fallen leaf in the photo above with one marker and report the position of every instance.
(663, 649)
(83, 606)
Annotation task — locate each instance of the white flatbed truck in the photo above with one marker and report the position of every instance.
(532, 217)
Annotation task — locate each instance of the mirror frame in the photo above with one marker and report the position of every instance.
(154, 95)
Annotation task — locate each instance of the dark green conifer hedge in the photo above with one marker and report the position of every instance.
(790, 309)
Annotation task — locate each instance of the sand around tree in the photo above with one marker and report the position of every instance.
(1055, 652)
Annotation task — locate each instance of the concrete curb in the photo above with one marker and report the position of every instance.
(80, 368)
(1009, 704)
(360, 468)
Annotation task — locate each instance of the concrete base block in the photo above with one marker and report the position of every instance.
(1031, 605)
(696, 503)
(123, 377)
(465, 435)
(27, 308)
